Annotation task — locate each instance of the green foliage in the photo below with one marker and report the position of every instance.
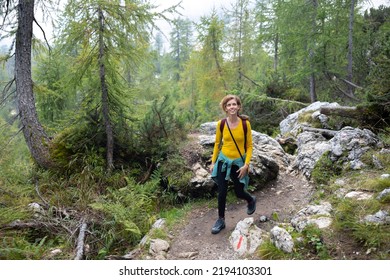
(377, 30)
(161, 130)
(83, 145)
(313, 240)
(55, 95)
(348, 218)
(325, 169)
(14, 155)
(372, 157)
(377, 184)
(152, 105)
(174, 215)
(275, 216)
(311, 246)
(384, 135)
(350, 213)
(275, 100)
(268, 251)
(80, 145)
(15, 171)
(181, 45)
(125, 216)
(176, 170)
(307, 118)
(20, 249)
(13, 203)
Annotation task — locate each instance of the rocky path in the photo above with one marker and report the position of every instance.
(194, 240)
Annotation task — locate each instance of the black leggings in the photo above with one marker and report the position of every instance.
(223, 188)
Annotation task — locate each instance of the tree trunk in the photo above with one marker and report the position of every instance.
(215, 53)
(345, 111)
(240, 38)
(312, 82)
(36, 138)
(373, 116)
(105, 101)
(276, 50)
(350, 48)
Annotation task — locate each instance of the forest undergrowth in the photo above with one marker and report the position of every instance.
(43, 212)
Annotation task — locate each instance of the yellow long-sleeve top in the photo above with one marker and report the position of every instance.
(229, 149)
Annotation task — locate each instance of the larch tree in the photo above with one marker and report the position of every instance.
(108, 38)
(181, 44)
(267, 36)
(312, 42)
(240, 29)
(294, 33)
(19, 18)
(211, 35)
(350, 49)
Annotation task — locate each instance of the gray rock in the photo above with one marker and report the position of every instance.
(281, 239)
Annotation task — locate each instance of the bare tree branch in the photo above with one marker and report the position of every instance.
(333, 77)
(80, 240)
(246, 77)
(6, 88)
(12, 137)
(39, 194)
(44, 34)
(350, 83)
(25, 225)
(273, 98)
(285, 100)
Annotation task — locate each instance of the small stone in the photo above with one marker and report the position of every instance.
(263, 219)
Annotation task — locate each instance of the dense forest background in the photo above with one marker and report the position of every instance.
(86, 120)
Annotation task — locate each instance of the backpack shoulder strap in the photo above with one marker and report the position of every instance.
(244, 125)
(223, 121)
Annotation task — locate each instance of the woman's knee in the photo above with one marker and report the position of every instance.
(239, 191)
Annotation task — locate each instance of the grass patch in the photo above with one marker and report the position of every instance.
(268, 251)
(349, 220)
(325, 170)
(314, 242)
(307, 118)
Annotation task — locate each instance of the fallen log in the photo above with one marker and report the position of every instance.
(25, 225)
(374, 116)
(129, 256)
(327, 133)
(80, 241)
(343, 111)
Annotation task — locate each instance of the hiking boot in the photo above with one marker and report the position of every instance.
(218, 226)
(251, 206)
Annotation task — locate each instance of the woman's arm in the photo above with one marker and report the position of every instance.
(249, 144)
(217, 143)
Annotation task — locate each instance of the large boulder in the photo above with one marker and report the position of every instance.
(345, 149)
(292, 125)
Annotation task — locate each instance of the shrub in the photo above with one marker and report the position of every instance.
(325, 169)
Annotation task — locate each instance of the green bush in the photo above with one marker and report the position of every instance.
(124, 215)
(325, 169)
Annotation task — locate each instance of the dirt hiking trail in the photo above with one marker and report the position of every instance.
(194, 240)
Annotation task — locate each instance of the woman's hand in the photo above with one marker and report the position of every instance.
(211, 168)
(243, 171)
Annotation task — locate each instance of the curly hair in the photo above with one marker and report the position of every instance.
(229, 97)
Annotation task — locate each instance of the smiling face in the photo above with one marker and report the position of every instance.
(231, 104)
(232, 107)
